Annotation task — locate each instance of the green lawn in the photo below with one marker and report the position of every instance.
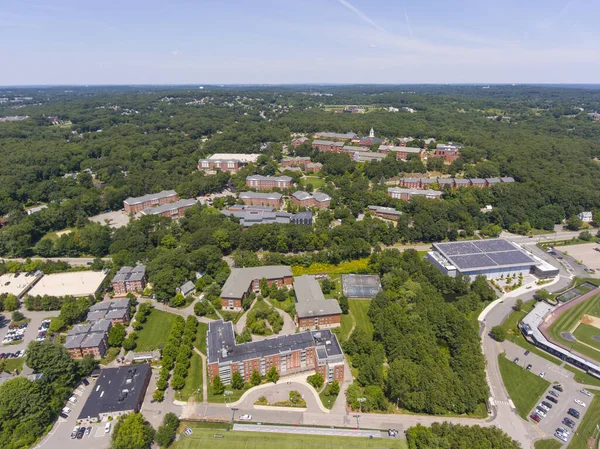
(200, 341)
(327, 401)
(202, 437)
(288, 306)
(587, 426)
(547, 444)
(595, 310)
(524, 387)
(14, 364)
(193, 381)
(222, 399)
(585, 332)
(344, 330)
(582, 377)
(110, 355)
(155, 331)
(359, 309)
(316, 182)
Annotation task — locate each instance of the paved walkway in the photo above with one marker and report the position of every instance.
(239, 326)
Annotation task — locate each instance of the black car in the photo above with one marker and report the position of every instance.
(527, 352)
(551, 399)
(569, 422)
(574, 413)
(558, 388)
(553, 393)
(80, 433)
(547, 404)
(63, 416)
(516, 360)
(85, 382)
(529, 367)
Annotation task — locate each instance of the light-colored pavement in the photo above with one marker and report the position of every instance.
(308, 431)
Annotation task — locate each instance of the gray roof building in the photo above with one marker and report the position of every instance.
(116, 391)
(328, 135)
(493, 181)
(151, 196)
(253, 217)
(222, 348)
(282, 178)
(310, 301)
(240, 279)
(328, 143)
(507, 179)
(126, 274)
(385, 210)
(168, 207)
(187, 289)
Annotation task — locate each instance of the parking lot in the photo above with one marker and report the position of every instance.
(31, 331)
(60, 435)
(585, 253)
(555, 375)
(114, 219)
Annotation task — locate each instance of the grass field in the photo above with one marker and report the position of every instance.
(327, 401)
(585, 332)
(347, 324)
(202, 437)
(14, 364)
(200, 341)
(568, 320)
(193, 381)
(524, 387)
(547, 444)
(155, 331)
(353, 266)
(359, 309)
(314, 180)
(222, 399)
(588, 424)
(595, 310)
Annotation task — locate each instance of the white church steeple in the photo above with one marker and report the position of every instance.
(372, 133)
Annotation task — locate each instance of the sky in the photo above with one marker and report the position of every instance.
(47, 42)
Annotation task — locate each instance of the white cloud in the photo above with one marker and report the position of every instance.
(361, 14)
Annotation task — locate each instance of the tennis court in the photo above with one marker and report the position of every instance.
(360, 285)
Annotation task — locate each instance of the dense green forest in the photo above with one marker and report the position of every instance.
(142, 140)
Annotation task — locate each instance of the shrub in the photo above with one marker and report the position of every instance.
(316, 380)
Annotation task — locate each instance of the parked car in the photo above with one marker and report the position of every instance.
(74, 433)
(535, 417)
(80, 433)
(540, 411)
(558, 387)
(561, 437)
(563, 431)
(584, 391)
(574, 413)
(187, 432)
(85, 382)
(529, 367)
(73, 400)
(516, 360)
(553, 393)
(543, 374)
(544, 406)
(246, 418)
(527, 352)
(552, 399)
(107, 427)
(66, 410)
(578, 402)
(547, 404)
(568, 422)
(88, 430)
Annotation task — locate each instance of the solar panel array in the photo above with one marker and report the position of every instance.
(492, 253)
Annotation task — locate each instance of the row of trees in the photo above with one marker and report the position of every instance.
(168, 357)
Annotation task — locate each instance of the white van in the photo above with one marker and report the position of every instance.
(107, 427)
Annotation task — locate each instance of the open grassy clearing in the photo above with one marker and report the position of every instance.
(587, 426)
(327, 401)
(353, 266)
(155, 331)
(14, 364)
(222, 399)
(348, 322)
(202, 437)
(316, 182)
(200, 341)
(193, 381)
(524, 387)
(359, 309)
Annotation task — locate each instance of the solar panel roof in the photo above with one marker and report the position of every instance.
(492, 253)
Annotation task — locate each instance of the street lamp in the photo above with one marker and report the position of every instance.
(227, 393)
(233, 410)
(357, 421)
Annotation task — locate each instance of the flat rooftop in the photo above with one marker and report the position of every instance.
(222, 348)
(117, 389)
(244, 158)
(15, 283)
(484, 254)
(150, 197)
(169, 207)
(77, 284)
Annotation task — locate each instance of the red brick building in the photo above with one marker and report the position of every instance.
(389, 213)
(298, 141)
(407, 194)
(340, 137)
(410, 183)
(316, 351)
(272, 199)
(260, 182)
(137, 204)
(242, 281)
(313, 310)
(227, 162)
(129, 279)
(401, 153)
(448, 152)
(172, 210)
(305, 199)
(325, 146)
